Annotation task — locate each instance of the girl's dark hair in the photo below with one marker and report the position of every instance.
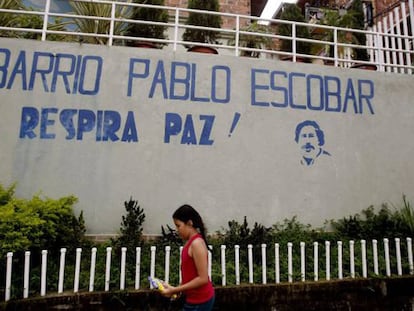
(186, 213)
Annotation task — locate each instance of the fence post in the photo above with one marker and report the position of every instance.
(77, 270)
(167, 264)
(62, 270)
(398, 255)
(340, 272)
(302, 261)
(223, 264)
(8, 275)
(92, 270)
(250, 259)
(43, 273)
(387, 257)
(375, 255)
(364, 258)
(315, 261)
(410, 255)
(210, 258)
(26, 274)
(328, 260)
(277, 263)
(352, 258)
(152, 264)
(264, 264)
(180, 277)
(108, 268)
(137, 267)
(290, 267)
(237, 263)
(123, 262)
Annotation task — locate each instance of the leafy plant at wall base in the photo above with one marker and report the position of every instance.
(406, 216)
(148, 14)
(169, 236)
(203, 20)
(131, 225)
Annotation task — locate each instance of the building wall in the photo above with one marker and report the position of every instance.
(219, 132)
(226, 6)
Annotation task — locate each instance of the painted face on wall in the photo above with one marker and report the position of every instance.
(309, 142)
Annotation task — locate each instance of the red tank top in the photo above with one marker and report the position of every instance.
(189, 272)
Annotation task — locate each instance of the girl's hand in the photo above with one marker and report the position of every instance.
(169, 291)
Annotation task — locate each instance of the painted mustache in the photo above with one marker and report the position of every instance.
(308, 147)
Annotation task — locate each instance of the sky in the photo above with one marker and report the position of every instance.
(55, 5)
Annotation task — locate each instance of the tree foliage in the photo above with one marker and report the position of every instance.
(203, 20)
(148, 14)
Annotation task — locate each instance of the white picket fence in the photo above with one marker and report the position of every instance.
(401, 260)
(390, 45)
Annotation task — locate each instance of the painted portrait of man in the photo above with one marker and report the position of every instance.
(311, 139)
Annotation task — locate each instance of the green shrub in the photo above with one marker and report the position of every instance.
(38, 223)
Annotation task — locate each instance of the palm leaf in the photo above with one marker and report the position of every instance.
(87, 25)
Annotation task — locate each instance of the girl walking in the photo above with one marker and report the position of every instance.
(196, 284)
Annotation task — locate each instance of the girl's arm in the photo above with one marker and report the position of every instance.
(198, 251)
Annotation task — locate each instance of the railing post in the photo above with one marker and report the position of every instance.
(137, 267)
(8, 275)
(340, 271)
(315, 261)
(43, 273)
(406, 34)
(352, 258)
(62, 270)
(398, 255)
(45, 20)
(264, 264)
(167, 264)
(277, 263)
(375, 255)
(77, 270)
(26, 274)
(387, 257)
(335, 37)
(176, 22)
(237, 263)
(92, 270)
(294, 42)
(112, 24)
(223, 264)
(152, 264)
(237, 41)
(250, 260)
(108, 268)
(290, 265)
(123, 262)
(364, 258)
(410, 255)
(302, 261)
(328, 260)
